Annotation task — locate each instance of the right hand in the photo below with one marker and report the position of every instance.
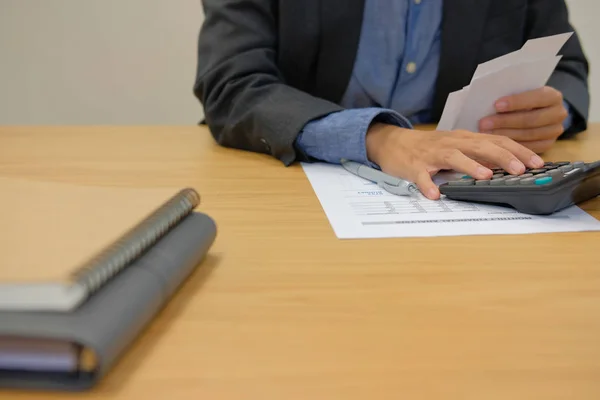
(418, 155)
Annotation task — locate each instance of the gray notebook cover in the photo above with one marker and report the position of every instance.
(113, 317)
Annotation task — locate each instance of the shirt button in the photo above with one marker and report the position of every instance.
(411, 67)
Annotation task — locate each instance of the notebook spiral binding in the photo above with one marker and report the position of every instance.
(110, 261)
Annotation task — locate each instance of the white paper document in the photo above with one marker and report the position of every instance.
(526, 69)
(357, 208)
(486, 90)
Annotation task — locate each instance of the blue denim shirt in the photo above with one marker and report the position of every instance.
(393, 80)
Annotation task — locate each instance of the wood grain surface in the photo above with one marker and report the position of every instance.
(282, 309)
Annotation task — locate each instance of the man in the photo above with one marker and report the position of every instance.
(324, 80)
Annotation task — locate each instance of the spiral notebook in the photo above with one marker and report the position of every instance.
(74, 350)
(60, 243)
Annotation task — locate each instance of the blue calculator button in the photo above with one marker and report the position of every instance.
(543, 181)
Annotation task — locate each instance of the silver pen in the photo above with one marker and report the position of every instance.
(390, 183)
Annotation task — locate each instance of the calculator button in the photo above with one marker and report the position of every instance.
(497, 176)
(562, 163)
(498, 182)
(555, 172)
(542, 176)
(462, 182)
(528, 181)
(513, 181)
(543, 181)
(483, 182)
(525, 176)
(511, 176)
(578, 164)
(566, 168)
(538, 171)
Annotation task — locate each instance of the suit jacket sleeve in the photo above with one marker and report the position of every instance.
(549, 17)
(246, 101)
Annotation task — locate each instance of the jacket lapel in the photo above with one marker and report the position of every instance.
(340, 26)
(461, 39)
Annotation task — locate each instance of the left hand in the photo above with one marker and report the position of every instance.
(534, 118)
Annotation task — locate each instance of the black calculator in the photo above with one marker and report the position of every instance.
(540, 191)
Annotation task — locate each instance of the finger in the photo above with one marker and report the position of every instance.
(495, 154)
(458, 161)
(538, 98)
(426, 186)
(525, 119)
(524, 154)
(504, 152)
(539, 146)
(549, 132)
(480, 147)
(487, 164)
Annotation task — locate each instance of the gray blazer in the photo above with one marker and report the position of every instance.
(267, 67)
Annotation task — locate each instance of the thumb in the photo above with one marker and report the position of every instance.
(426, 185)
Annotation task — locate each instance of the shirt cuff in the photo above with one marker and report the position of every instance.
(342, 135)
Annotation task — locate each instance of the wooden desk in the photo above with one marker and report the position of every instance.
(283, 310)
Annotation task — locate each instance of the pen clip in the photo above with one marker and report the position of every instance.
(404, 189)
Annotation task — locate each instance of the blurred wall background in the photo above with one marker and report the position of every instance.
(98, 61)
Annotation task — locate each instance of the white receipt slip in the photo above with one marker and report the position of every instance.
(526, 69)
